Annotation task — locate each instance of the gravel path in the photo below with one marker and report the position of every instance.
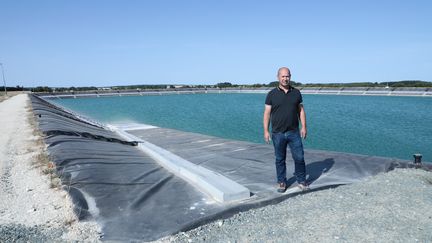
(30, 210)
(390, 207)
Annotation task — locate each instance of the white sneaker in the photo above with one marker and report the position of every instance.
(303, 186)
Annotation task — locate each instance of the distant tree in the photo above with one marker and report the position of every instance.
(409, 83)
(273, 84)
(16, 88)
(276, 83)
(61, 89)
(42, 89)
(224, 85)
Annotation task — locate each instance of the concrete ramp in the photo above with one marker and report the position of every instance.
(212, 183)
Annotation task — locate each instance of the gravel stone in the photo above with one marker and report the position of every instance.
(390, 207)
(22, 233)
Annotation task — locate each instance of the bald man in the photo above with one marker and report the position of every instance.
(284, 108)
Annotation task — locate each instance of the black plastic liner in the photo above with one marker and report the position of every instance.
(134, 198)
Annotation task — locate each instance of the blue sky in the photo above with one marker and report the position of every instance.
(103, 43)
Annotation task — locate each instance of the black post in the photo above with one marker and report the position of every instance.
(417, 160)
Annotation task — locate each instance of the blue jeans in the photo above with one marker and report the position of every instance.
(294, 141)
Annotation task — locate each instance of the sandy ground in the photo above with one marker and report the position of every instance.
(27, 198)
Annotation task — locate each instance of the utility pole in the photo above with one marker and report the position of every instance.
(4, 80)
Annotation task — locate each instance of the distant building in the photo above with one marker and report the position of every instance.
(174, 86)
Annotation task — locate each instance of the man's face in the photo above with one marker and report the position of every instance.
(284, 77)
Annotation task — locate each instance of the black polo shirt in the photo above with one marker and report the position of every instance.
(285, 111)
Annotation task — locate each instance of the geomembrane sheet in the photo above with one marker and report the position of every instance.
(133, 198)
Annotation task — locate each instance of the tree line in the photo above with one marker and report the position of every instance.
(16, 88)
(390, 84)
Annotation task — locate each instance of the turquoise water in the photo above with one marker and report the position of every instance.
(372, 125)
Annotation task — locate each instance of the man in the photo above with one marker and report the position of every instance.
(283, 106)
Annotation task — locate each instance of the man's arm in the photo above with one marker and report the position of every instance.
(303, 131)
(266, 121)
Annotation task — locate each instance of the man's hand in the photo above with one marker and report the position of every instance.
(266, 121)
(303, 132)
(267, 137)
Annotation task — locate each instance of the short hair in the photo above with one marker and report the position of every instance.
(280, 69)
